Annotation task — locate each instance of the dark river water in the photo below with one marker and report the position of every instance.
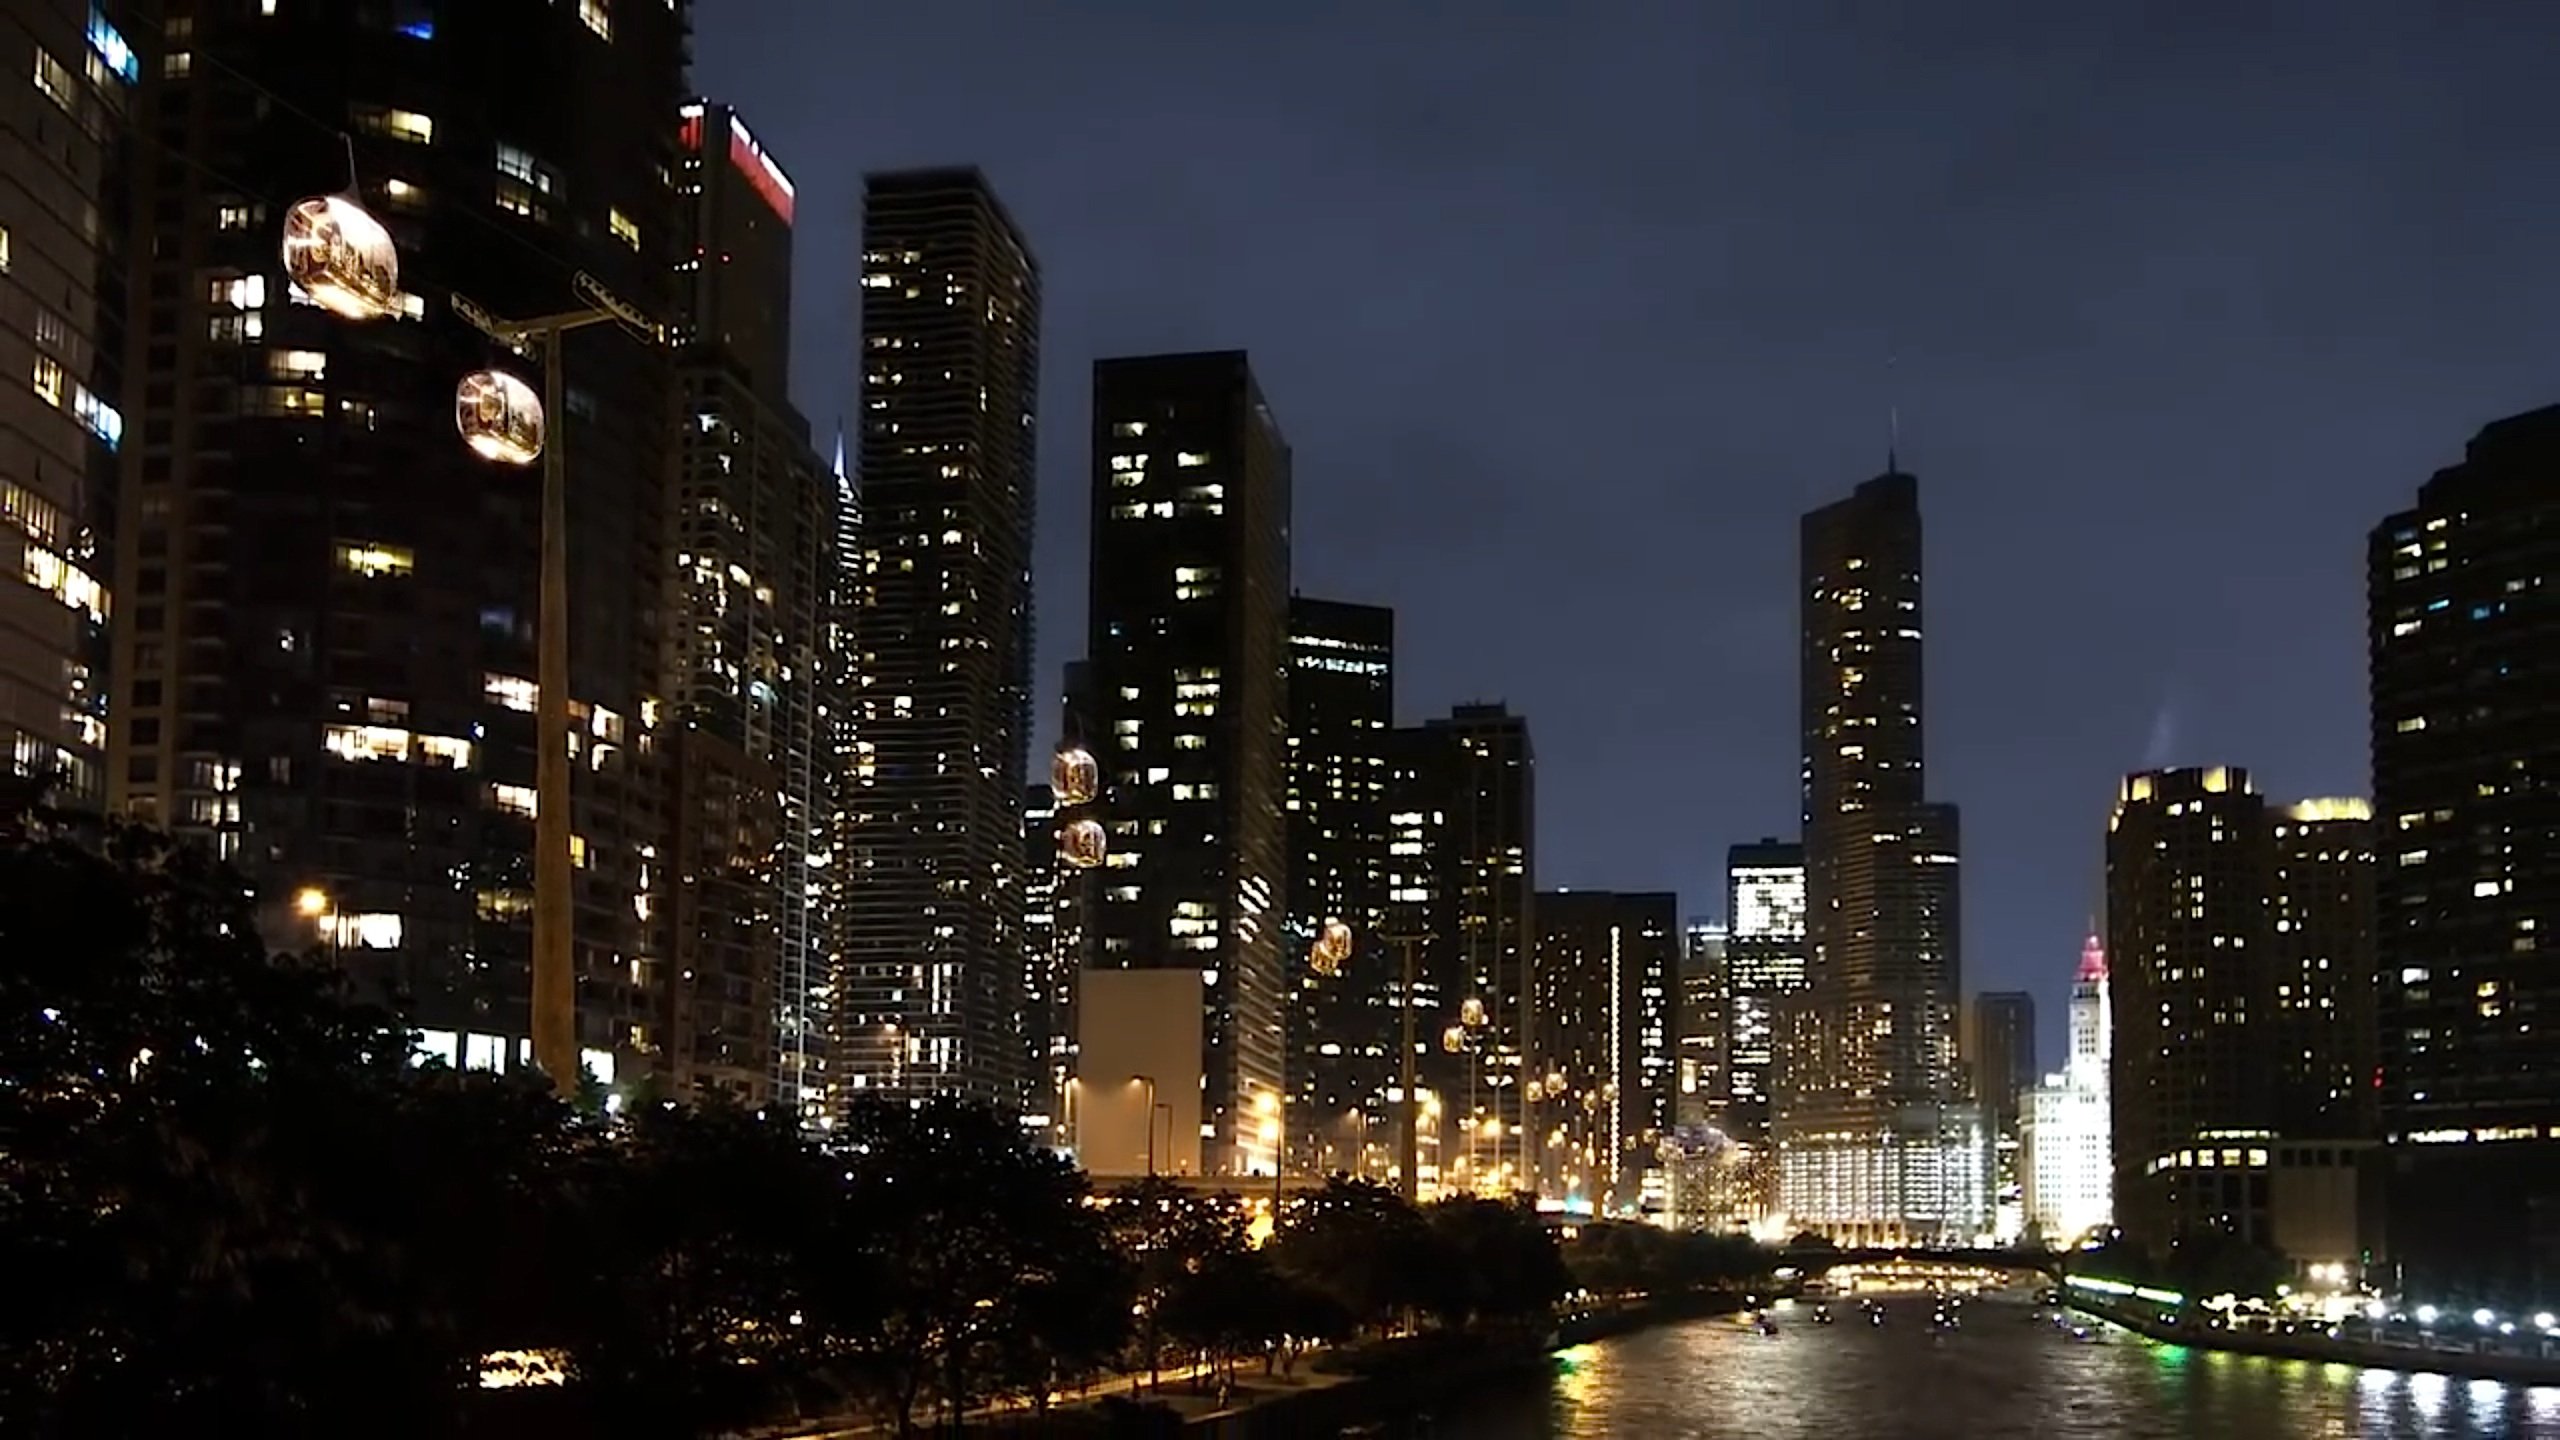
(2003, 1374)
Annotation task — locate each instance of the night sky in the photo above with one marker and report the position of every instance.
(1567, 319)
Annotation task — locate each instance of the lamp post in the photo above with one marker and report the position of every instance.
(555, 983)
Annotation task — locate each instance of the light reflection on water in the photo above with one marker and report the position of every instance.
(2003, 1375)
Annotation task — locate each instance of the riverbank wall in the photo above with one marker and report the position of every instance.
(1442, 1373)
(2456, 1364)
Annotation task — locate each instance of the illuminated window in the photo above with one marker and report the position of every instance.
(1195, 582)
(286, 400)
(513, 799)
(65, 582)
(445, 750)
(1128, 427)
(238, 292)
(599, 17)
(406, 125)
(48, 380)
(401, 192)
(624, 228)
(365, 742)
(4, 249)
(511, 691)
(370, 559)
(104, 420)
(297, 364)
(376, 930)
(177, 64)
(54, 80)
(1190, 459)
(505, 906)
(234, 329)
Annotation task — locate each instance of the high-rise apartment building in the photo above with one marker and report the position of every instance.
(65, 248)
(1600, 1046)
(2000, 1053)
(1048, 970)
(2190, 866)
(1764, 968)
(2321, 919)
(2065, 1166)
(1343, 1028)
(1188, 640)
(2236, 940)
(2464, 619)
(1705, 1091)
(929, 950)
(1463, 874)
(1876, 1139)
(748, 663)
(325, 660)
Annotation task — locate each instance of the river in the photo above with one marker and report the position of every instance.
(2002, 1374)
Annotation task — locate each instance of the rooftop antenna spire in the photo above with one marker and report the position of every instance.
(1892, 418)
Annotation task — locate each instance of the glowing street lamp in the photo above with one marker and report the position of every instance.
(311, 902)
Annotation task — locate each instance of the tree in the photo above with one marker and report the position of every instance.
(1171, 1234)
(1493, 1262)
(955, 1218)
(192, 1137)
(698, 1229)
(1359, 1244)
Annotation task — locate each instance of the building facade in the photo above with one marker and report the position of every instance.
(326, 672)
(1188, 642)
(1462, 794)
(1343, 1027)
(1601, 1048)
(65, 251)
(2321, 916)
(2189, 870)
(1705, 1089)
(1764, 971)
(747, 650)
(928, 955)
(2066, 1169)
(2463, 624)
(1876, 1137)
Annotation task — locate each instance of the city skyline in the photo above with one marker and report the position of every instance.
(2259, 664)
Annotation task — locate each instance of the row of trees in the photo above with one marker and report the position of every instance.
(231, 1201)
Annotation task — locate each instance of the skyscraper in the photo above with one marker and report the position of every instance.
(2322, 944)
(64, 252)
(327, 669)
(2000, 1052)
(1188, 640)
(929, 955)
(1600, 1050)
(1343, 1028)
(748, 661)
(2190, 865)
(1048, 970)
(1875, 1139)
(2065, 1165)
(1764, 967)
(1462, 803)
(1705, 1084)
(2462, 623)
